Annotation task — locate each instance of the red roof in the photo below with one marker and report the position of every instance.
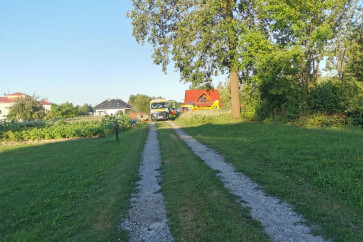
(44, 102)
(6, 100)
(16, 94)
(192, 96)
(13, 99)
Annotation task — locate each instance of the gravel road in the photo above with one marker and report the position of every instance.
(147, 216)
(281, 223)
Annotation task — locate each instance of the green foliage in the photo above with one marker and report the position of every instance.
(355, 55)
(196, 35)
(28, 108)
(225, 94)
(205, 116)
(140, 102)
(85, 110)
(65, 110)
(329, 97)
(108, 123)
(340, 99)
(16, 126)
(250, 102)
(281, 92)
(322, 120)
(200, 37)
(63, 129)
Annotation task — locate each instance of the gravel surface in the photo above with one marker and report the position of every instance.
(281, 223)
(147, 216)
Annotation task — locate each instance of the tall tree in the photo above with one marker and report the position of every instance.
(347, 32)
(200, 36)
(308, 24)
(355, 56)
(28, 108)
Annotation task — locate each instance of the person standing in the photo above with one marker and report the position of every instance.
(133, 118)
(116, 126)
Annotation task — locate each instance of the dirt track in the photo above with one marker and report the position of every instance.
(147, 217)
(148, 220)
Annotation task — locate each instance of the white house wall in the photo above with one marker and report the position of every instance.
(102, 112)
(4, 110)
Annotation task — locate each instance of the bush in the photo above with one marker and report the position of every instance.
(328, 97)
(62, 129)
(322, 120)
(205, 116)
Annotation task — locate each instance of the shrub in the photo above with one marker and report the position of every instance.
(63, 129)
(328, 97)
(322, 120)
(205, 116)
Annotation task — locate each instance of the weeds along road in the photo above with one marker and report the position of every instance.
(147, 218)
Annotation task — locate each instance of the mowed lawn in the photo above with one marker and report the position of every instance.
(319, 171)
(68, 191)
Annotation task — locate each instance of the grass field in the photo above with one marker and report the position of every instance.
(319, 171)
(68, 191)
(79, 190)
(199, 207)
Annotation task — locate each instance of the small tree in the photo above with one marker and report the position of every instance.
(140, 102)
(65, 110)
(28, 108)
(85, 109)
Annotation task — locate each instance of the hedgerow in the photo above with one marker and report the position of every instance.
(63, 129)
(205, 116)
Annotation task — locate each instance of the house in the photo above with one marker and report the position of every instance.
(10, 99)
(111, 107)
(201, 98)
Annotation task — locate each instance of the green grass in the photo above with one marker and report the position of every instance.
(74, 190)
(319, 171)
(199, 207)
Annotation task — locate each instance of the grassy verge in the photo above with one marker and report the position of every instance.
(199, 207)
(319, 171)
(68, 191)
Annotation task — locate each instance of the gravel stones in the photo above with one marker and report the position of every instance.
(281, 223)
(147, 216)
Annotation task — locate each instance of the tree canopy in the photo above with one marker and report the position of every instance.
(68, 110)
(28, 108)
(274, 48)
(140, 102)
(200, 37)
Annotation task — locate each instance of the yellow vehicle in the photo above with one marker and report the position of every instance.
(215, 105)
(159, 109)
(202, 99)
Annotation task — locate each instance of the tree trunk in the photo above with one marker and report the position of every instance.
(235, 102)
(232, 44)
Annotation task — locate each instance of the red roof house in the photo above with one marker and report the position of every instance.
(10, 99)
(201, 98)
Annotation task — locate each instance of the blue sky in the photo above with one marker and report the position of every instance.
(78, 51)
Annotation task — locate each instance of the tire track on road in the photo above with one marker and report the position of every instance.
(147, 219)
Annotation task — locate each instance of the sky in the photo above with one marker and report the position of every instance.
(77, 51)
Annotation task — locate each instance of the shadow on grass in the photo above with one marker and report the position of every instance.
(72, 190)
